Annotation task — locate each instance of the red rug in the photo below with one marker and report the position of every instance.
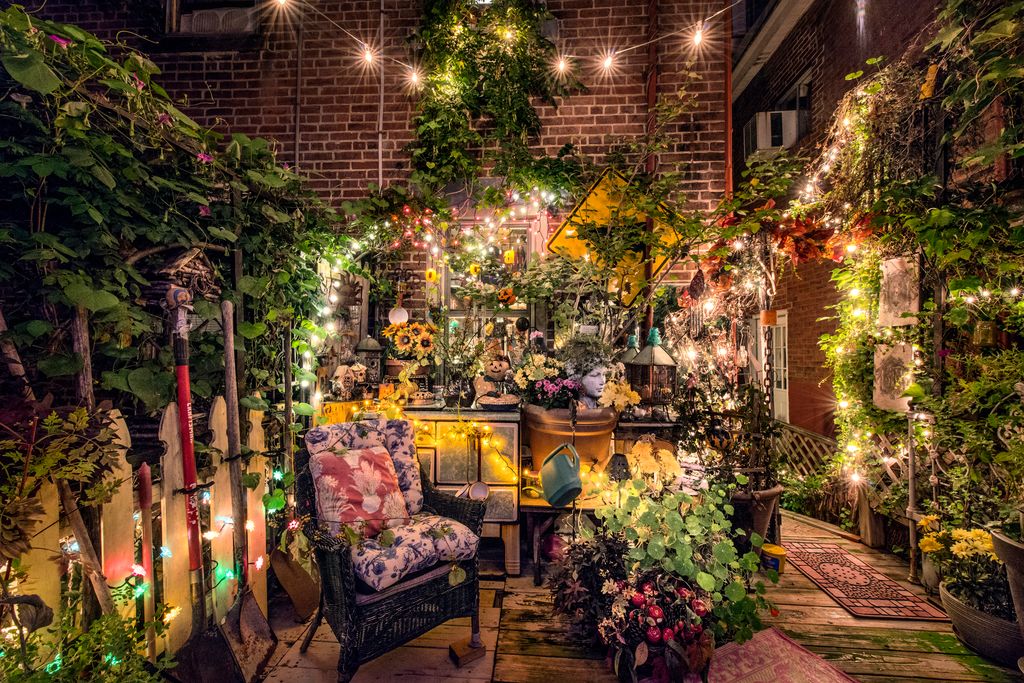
(862, 590)
(771, 657)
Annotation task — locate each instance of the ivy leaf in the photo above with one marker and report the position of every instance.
(81, 294)
(272, 502)
(251, 480)
(251, 330)
(31, 71)
(150, 387)
(915, 391)
(303, 409)
(60, 366)
(37, 328)
(254, 403)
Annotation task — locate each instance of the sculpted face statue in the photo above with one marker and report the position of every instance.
(593, 385)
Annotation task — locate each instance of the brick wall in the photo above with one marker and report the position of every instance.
(826, 42)
(253, 90)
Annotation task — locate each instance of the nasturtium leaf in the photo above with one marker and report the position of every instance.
(251, 330)
(60, 366)
(735, 591)
(705, 581)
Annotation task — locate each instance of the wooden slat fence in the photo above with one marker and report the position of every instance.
(120, 543)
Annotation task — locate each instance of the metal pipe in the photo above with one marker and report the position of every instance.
(728, 103)
(300, 44)
(652, 159)
(380, 107)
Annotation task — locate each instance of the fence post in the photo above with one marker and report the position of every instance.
(257, 538)
(117, 524)
(174, 536)
(222, 516)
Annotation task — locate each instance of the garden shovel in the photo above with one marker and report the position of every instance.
(205, 657)
(245, 627)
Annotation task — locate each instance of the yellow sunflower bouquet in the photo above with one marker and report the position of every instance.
(411, 340)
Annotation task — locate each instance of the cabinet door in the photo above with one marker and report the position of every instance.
(500, 462)
(456, 461)
(502, 503)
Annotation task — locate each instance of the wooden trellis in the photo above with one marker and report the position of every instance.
(804, 452)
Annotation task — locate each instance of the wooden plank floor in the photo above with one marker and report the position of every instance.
(527, 644)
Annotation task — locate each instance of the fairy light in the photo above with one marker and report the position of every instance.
(844, 404)
(165, 552)
(562, 65)
(172, 612)
(250, 525)
(855, 477)
(138, 570)
(367, 54)
(608, 62)
(211, 534)
(698, 34)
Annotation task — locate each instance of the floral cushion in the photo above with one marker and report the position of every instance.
(358, 488)
(400, 440)
(416, 546)
(364, 434)
(397, 436)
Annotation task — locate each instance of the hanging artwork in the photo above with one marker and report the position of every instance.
(893, 374)
(900, 292)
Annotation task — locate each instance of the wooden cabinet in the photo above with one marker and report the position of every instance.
(452, 463)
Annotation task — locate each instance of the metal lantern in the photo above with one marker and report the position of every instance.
(632, 348)
(371, 354)
(652, 372)
(618, 468)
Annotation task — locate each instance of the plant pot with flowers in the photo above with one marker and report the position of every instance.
(975, 592)
(410, 346)
(563, 395)
(1009, 546)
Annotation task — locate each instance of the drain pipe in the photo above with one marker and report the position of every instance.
(299, 48)
(652, 159)
(380, 106)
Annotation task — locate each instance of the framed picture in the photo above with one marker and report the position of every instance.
(893, 365)
(900, 292)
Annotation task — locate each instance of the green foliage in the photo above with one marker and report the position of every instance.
(106, 182)
(485, 67)
(693, 539)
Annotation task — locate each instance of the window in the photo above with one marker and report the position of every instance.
(798, 99)
(212, 17)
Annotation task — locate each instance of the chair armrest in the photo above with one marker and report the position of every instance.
(464, 510)
(337, 575)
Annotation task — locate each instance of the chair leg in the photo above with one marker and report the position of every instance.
(346, 668)
(474, 640)
(317, 620)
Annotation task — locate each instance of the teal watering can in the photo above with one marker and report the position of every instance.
(560, 476)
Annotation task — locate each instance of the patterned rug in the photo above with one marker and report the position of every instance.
(862, 590)
(771, 657)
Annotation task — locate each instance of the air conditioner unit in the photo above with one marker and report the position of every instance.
(772, 130)
(220, 21)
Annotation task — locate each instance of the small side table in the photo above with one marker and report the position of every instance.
(540, 516)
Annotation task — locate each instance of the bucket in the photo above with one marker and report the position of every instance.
(773, 557)
(560, 476)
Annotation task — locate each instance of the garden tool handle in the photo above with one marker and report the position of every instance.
(575, 459)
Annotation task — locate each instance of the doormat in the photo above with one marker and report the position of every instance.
(862, 590)
(771, 657)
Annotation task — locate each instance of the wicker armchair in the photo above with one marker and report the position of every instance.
(369, 624)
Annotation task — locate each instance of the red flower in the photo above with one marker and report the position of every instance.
(774, 612)
(700, 607)
(63, 42)
(204, 210)
(684, 592)
(204, 158)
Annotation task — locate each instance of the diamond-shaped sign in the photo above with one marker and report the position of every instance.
(600, 206)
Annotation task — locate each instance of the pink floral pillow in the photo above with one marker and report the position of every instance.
(358, 488)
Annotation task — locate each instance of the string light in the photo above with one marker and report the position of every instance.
(367, 54)
(698, 35)
(609, 61)
(173, 612)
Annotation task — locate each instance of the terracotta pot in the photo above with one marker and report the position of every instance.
(395, 366)
(1011, 552)
(545, 430)
(752, 511)
(989, 636)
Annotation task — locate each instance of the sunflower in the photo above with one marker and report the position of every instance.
(425, 346)
(416, 330)
(403, 342)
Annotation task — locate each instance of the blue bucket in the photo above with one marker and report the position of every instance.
(560, 476)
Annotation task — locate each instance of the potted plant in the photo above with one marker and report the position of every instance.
(410, 345)
(562, 400)
(460, 351)
(753, 461)
(1009, 547)
(580, 582)
(975, 592)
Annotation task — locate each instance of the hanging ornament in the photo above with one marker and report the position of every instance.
(510, 256)
(398, 315)
(430, 275)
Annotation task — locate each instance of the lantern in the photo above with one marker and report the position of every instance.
(632, 348)
(510, 256)
(371, 354)
(652, 372)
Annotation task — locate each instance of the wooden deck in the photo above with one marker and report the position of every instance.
(527, 644)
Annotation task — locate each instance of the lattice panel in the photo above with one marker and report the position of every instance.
(804, 452)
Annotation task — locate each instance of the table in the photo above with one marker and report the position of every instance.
(539, 516)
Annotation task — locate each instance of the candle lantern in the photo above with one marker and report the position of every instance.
(652, 372)
(371, 354)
